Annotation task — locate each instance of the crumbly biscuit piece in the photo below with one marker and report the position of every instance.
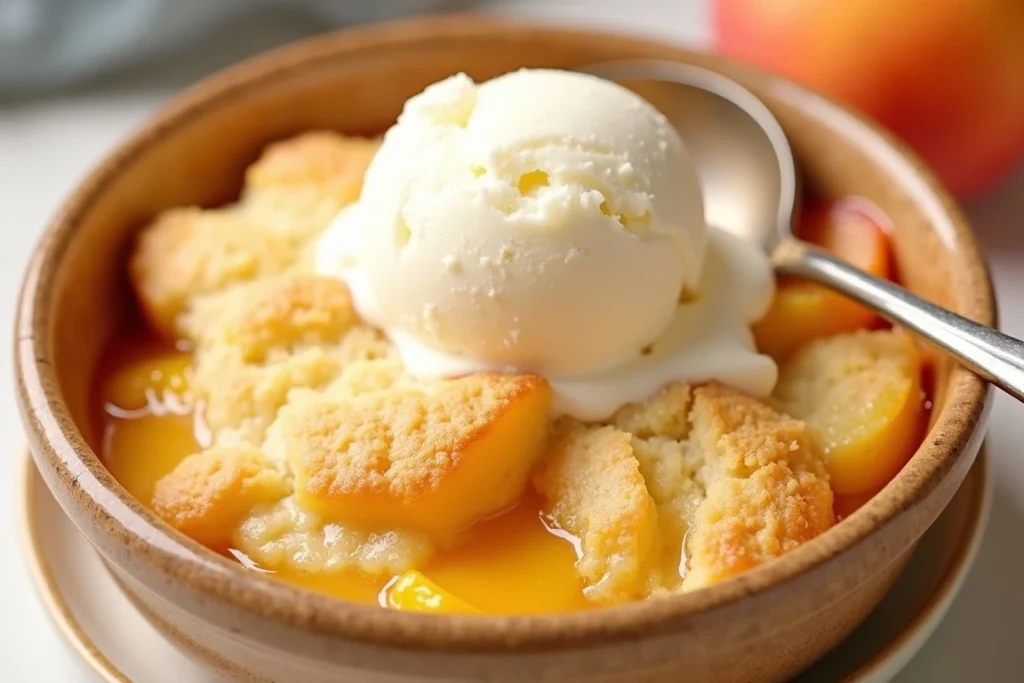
(279, 314)
(669, 471)
(766, 488)
(209, 493)
(324, 159)
(189, 252)
(738, 434)
(241, 400)
(861, 396)
(435, 461)
(304, 310)
(297, 215)
(298, 186)
(745, 522)
(743, 487)
(265, 338)
(594, 489)
(363, 342)
(286, 535)
(664, 415)
(292, 193)
(368, 376)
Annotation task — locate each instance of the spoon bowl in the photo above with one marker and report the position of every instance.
(749, 180)
(745, 164)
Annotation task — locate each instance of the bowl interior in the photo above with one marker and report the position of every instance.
(196, 150)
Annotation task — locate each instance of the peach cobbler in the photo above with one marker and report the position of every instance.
(495, 362)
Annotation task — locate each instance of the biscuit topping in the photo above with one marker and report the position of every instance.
(290, 432)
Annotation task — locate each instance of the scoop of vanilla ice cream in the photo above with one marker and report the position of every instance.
(544, 220)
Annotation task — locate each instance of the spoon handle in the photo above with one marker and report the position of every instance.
(993, 355)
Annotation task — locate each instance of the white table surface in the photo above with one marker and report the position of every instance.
(47, 144)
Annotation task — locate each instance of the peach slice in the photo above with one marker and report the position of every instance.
(432, 461)
(160, 378)
(860, 395)
(803, 310)
(414, 592)
(141, 450)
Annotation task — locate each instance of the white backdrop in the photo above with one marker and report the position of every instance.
(47, 144)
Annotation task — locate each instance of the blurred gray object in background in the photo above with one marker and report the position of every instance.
(51, 43)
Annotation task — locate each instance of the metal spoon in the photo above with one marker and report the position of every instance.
(750, 187)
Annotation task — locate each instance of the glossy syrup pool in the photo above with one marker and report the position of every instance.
(512, 563)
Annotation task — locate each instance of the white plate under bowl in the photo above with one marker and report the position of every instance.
(116, 643)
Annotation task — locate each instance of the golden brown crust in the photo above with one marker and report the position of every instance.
(291, 194)
(745, 522)
(766, 488)
(433, 460)
(211, 492)
(298, 186)
(189, 252)
(739, 434)
(404, 443)
(265, 338)
(281, 313)
(241, 400)
(595, 492)
(295, 215)
(334, 163)
(744, 488)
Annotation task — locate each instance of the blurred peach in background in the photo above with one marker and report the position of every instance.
(947, 76)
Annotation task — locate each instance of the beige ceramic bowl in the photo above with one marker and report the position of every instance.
(764, 625)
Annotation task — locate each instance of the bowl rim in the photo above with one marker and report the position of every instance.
(61, 448)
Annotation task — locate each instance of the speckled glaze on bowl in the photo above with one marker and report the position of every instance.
(764, 625)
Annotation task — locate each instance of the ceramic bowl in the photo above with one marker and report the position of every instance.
(764, 625)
